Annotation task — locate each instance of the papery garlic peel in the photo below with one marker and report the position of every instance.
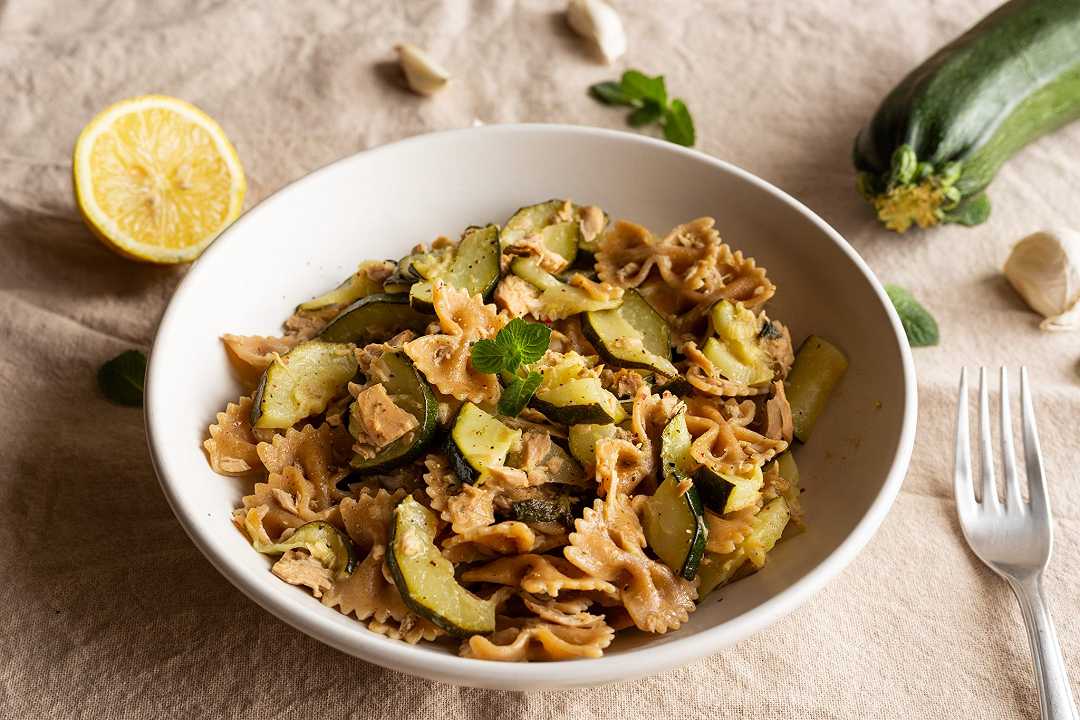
(1044, 268)
(424, 75)
(597, 21)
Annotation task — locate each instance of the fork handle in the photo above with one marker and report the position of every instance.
(1055, 695)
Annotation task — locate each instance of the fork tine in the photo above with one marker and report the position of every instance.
(962, 485)
(1040, 502)
(986, 443)
(1013, 498)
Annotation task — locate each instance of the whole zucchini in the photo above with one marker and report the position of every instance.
(940, 136)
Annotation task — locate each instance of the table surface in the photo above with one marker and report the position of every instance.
(111, 612)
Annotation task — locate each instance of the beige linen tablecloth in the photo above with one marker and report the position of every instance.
(109, 611)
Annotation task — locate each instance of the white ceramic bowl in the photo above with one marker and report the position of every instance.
(377, 204)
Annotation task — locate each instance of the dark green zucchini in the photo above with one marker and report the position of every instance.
(410, 391)
(473, 267)
(426, 579)
(632, 335)
(301, 383)
(374, 318)
(723, 493)
(818, 367)
(331, 547)
(940, 136)
(674, 522)
(478, 441)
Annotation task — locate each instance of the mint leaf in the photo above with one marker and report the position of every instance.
(524, 342)
(678, 125)
(487, 356)
(919, 325)
(610, 93)
(647, 114)
(121, 379)
(640, 86)
(518, 393)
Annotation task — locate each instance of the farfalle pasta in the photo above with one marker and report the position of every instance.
(518, 444)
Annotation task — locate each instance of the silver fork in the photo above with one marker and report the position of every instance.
(1014, 538)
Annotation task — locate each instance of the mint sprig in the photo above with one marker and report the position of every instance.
(919, 325)
(648, 96)
(519, 343)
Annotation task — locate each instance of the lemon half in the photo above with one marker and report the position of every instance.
(157, 179)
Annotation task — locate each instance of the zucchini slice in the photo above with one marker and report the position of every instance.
(356, 286)
(374, 318)
(559, 235)
(425, 578)
(558, 299)
(410, 391)
(632, 335)
(583, 400)
(583, 439)
(938, 139)
(473, 267)
(301, 383)
(765, 531)
(331, 547)
(723, 493)
(571, 393)
(818, 367)
(478, 441)
(674, 523)
(736, 350)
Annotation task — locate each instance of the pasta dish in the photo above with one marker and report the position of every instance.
(529, 439)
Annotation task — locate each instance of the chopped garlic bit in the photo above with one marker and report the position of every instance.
(597, 21)
(1044, 268)
(424, 75)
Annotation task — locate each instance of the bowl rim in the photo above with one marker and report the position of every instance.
(631, 664)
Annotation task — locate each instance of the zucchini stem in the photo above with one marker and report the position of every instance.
(913, 192)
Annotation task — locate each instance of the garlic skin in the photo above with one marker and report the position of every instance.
(597, 21)
(424, 75)
(1044, 268)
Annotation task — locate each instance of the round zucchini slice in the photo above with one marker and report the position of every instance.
(374, 318)
(356, 286)
(674, 523)
(632, 335)
(478, 441)
(331, 547)
(411, 392)
(474, 267)
(301, 383)
(426, 579)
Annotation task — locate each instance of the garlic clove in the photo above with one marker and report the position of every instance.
(597, 21)
(1044, 269)
(424, 75)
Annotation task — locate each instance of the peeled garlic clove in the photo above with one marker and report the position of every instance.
(597, 21)
(1044, 268)
(424, 75)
